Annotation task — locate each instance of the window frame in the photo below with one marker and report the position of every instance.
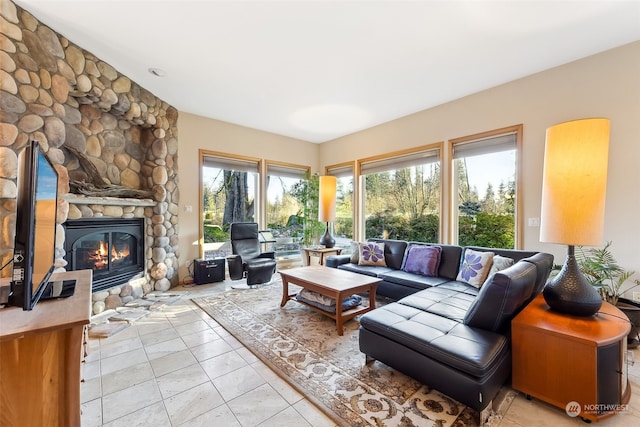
(344, 169)
(452, 227)
(403, 158)
(289, 169)
(229, 159)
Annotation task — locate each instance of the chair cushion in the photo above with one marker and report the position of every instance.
(256, 263)
(244, 230)
(247, 248)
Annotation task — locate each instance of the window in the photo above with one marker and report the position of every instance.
(484, 192)
(401, 194)
(343, 225)
(229, 193)
(286, 205)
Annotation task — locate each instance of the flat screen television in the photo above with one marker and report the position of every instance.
(35, 238)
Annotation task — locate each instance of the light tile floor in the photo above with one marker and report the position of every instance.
(178, 367)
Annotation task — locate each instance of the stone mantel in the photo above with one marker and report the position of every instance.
(77, 199)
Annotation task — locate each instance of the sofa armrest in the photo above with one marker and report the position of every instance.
(501, 297)
(335, 260)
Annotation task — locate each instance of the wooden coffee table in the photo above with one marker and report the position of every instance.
(333, 283)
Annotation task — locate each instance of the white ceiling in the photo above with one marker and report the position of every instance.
(318, 70)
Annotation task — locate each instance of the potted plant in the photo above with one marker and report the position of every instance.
(602, 271)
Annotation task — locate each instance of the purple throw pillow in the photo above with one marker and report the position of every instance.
(423, 260)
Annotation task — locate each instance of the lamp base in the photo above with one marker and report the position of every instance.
(327, 239)
(570, 292)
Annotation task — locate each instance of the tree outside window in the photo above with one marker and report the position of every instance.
(485, 172)
(229, 194)
(402, 196)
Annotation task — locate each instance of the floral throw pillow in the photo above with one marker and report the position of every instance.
(372, 253)
(475, 267)
(423, 260)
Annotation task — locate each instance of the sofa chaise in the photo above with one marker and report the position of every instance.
(445, 330)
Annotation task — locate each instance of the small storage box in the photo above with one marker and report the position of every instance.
(208, 271)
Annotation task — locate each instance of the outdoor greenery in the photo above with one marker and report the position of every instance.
(405, 204)
(304, 224)
(226, 199)
(603, 271)
(399, 204)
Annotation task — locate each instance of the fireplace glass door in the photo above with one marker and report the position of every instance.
(112, 248)
(105, 252)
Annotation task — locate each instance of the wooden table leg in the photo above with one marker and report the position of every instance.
(339, 319)
(372, 296)
(285, 291)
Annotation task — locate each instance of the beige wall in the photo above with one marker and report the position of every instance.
(195, 133)
(603, 85)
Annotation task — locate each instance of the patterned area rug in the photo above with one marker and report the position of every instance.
(304, 348)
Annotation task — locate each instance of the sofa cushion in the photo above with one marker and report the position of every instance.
(516, 254)
(501, 297)
(451, 303)
(371, 253)
(475, 267)
(416, 281)
(368, 270)
(500, 263)
(421, 259)
(473, 351)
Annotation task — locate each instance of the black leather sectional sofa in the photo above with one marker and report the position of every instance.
(446, 333)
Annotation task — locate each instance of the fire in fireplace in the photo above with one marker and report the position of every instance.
(112, 247)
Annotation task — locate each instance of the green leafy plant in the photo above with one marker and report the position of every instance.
(602, 270)
(307, 192)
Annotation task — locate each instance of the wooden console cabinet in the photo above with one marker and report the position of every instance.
(40, 357)
(560, 359)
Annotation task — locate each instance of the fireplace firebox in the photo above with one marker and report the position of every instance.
(112, 247)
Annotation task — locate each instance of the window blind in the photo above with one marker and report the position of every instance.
(489, 145)
(400, 162)
(286, 171)
(341, 171)
(229, 163)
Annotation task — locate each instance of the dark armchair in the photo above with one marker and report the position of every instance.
(247, 259)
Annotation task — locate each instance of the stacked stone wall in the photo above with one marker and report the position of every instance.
(66, 98)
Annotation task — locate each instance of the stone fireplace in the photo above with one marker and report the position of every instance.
(72, 102)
